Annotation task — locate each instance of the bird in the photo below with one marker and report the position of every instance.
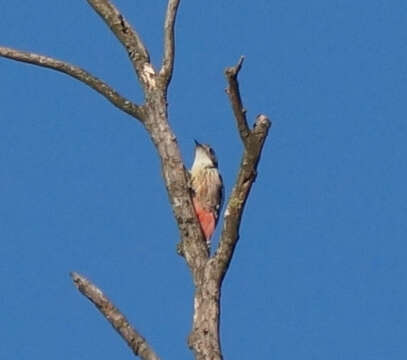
(207, 189)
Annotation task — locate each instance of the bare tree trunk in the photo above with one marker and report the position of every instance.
(204, 338)
(208, 270)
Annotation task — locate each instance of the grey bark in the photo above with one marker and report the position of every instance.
(207, 270)
(131, 336)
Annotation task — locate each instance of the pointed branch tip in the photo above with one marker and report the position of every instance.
(239, 64)
(232, 71)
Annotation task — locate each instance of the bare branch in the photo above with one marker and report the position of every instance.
(233, 92)
(77, 73)
(253, 141)
(123, 31)
(169, 41)
(134, 340)
(207, 272)
(208, 290)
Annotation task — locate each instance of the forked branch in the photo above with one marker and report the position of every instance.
(204, 338)
(133, 339)
(76, 72)
(253, 140)
(207, 272)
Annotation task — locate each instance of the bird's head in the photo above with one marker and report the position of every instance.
(205, 157)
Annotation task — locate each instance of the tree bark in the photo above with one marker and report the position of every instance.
(204, 338)
(207, 271)
(131, 336)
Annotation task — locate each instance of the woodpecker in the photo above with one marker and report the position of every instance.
(207, 188)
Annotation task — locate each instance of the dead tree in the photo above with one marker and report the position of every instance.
(208, 270)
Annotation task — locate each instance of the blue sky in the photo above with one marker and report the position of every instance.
(320, 270)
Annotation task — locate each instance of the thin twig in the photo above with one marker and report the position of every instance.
(169, 41)
(233, 92)
(77, 73)
(135, 341)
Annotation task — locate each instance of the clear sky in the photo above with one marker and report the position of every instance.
(320, 269)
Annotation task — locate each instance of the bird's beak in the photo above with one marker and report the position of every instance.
(197, 144)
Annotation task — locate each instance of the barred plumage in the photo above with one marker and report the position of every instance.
(207, 186)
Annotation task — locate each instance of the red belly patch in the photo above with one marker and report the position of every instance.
(206, 219)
